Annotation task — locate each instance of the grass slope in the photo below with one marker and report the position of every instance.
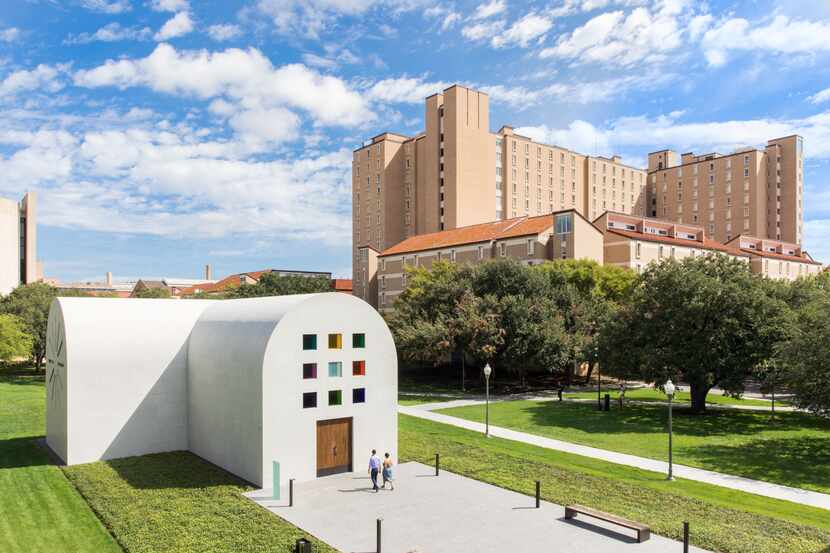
(650, 394)
(720, 519)
(39, 509)
(793, 450)
(177, 502)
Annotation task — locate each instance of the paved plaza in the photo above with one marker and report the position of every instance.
(445, 514)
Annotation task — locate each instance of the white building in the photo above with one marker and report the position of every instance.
(306, 381)
(18, 243)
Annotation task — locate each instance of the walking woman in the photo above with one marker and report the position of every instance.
(387, 471)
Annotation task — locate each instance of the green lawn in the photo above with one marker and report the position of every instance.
(721, 520)
(793, 450)
(39, 509)
(650, 394)
(177, 502)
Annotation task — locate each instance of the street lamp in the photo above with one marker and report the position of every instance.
(669, 388)
(487, 372)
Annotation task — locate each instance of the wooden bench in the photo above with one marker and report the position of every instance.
(643, 531)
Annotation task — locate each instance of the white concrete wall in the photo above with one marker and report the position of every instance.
(126, 376)
(9, 246)
(56, 413)
(226, 353)
(289, 431)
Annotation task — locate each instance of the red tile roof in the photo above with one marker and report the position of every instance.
(785, 257)
(483, 232)
(707, 244)
(232, 281)
(342, 284)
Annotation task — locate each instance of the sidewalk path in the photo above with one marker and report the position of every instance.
(758, 487)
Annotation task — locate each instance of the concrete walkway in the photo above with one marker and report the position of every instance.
(758, 487)
(445, 514)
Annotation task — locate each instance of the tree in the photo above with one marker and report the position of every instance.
(153, 293)
(706, 320)
(30, 304)
(272, 284)
(14, 340)
(805, 357)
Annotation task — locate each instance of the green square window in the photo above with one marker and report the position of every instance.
(335, 369)
(309, 341)
(335, 397)
(358, 340)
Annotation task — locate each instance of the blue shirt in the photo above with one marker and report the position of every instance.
(374, 462)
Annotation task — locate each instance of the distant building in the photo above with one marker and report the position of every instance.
(91, 288)
(342, 285)
(236, 280)
(18, 243)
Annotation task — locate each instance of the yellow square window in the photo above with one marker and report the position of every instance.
(335, 341)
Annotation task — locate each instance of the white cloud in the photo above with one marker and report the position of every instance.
(43, 77)
(447, 14)
(494, 7)
(245, 77)
(112, 32)
(266, 125)
(107, 6)
(820, 97)
(10, 34)
(310, 18)
(521, 32)
(319, 61)
(483, 30)
(641, 36)
(779, 35)
(178, 25)
(450, 20)
(222, 32)
(170, 5)
(405, 90)
(699, 25)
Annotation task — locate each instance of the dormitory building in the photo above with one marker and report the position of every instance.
(459, 192)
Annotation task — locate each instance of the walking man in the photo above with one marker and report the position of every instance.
(374, 468)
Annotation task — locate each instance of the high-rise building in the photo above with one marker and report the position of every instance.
(750, 191)
(458, 173)
(18, 243)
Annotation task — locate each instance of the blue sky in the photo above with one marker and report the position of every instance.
(163, 135)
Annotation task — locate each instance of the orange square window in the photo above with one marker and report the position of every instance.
(359, 368)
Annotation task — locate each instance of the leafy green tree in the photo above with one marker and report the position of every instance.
(153, 293)
(804, 357)
(272, 284)
(14, 340)
(706, 320)
(30, 304)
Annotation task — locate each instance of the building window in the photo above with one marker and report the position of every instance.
(335, 369)
(503, 249)
(637, 250)
(564, 224)
(309, 370)
(309, 341)
(335, 341)
(481, 252)
(359, 395)
(335, 397)
(358, 368)
(531, 247)
(660, 252)
(359, 340)
(309, 400)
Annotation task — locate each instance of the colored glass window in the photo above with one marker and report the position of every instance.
(335, 341)
(309, 400)
(359, 368)
(309, 341)
(359, 395)
(309, 370)
(335, 397)
(358, 340)
(335, 368)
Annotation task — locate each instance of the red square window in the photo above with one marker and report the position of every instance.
(359, 368)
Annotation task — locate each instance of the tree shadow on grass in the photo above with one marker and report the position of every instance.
(797, 461)
(653, 419)
(175, 469)
(22, 380)
(22, 452)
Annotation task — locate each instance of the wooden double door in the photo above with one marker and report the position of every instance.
(334, 446)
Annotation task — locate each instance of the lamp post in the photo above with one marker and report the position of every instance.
(487, 372)
(669, 388)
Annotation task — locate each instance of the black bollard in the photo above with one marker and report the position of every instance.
(686, 537)
(378, 531)
(538, 494)
(437, 463)
(290, 492)
(606, 402)
(303, 546)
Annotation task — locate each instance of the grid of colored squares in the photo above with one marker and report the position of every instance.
(335, 369)
(335, 341)
(335, 397)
